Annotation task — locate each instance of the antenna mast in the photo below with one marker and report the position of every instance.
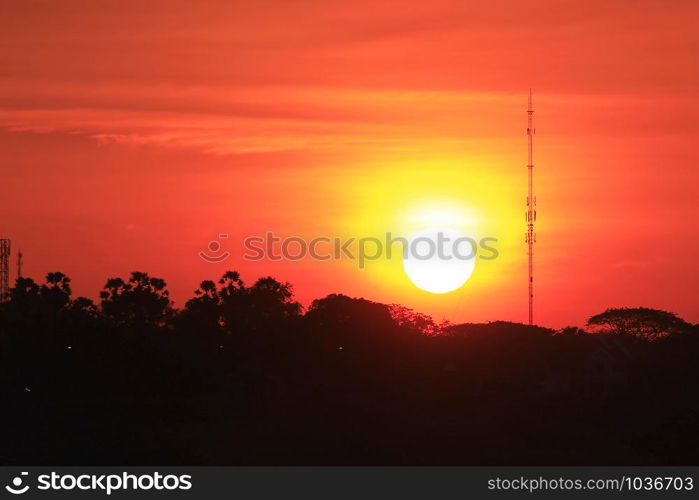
(4, 269)
(19, 263)
(531, 204)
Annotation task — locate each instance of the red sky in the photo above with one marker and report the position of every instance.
(133, 133)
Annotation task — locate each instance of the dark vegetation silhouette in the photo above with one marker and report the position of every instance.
(242, 375)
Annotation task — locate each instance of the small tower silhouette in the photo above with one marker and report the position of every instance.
(19, 263)
(4, 269)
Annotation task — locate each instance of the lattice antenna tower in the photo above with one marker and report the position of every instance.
(531, 205)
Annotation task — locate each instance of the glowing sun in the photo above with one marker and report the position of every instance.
(439, 260)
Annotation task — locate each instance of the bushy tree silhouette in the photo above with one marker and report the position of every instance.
(346, 321)
(47, 307)
(56, 292)
(417, 322)
(141, 301)
(572, 330)
(641, 322)
(24, 298)
(237, 309)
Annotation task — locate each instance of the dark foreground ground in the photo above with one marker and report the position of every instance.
(343, 384)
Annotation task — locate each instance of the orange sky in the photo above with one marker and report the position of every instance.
(132, 134)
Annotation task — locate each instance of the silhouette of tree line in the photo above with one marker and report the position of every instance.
(244, 375)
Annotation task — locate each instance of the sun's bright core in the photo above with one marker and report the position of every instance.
(439, 260)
